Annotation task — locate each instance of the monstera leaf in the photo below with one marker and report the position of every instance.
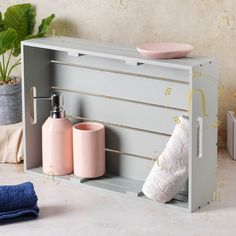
(7, 40)
(21, 18)
(17, 25)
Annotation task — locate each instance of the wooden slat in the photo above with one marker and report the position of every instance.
(128, 166)
(151, 71)
(138, 116)
(121, 86)
(135, 142)
(106, 50)
(117, 184)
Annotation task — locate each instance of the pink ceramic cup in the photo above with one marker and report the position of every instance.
(89, 149)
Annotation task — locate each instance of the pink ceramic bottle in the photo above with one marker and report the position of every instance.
(57, 140)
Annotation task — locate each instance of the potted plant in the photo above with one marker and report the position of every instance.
(16, 25)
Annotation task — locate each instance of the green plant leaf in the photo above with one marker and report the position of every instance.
(7, 40)
(1, 23)
(43, 27)
(21, 18)
(17, 48)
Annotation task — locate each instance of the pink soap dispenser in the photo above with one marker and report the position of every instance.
(57, 150)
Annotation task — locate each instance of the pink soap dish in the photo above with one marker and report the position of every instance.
(164, 50)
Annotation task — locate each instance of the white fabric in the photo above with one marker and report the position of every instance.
(11, 149)
(170, 171)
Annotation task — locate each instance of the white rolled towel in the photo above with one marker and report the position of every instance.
(170, 171)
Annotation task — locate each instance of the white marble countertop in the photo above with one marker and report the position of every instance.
(67, 209)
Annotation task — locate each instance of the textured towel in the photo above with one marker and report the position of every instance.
(11, 149)
(18, 202)
(170, 171)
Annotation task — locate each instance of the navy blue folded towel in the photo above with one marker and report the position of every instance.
(18, 202)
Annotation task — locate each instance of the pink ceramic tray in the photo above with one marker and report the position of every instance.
(164, 50)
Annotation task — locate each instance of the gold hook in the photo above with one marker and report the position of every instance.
(190, 95)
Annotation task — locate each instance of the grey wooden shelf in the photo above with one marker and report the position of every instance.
(139, 100)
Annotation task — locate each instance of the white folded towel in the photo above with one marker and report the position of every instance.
(170, 171)
(11, 149)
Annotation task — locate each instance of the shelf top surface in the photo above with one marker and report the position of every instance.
(76, 46)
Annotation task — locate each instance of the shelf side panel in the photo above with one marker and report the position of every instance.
(203, 135)
(35, 74)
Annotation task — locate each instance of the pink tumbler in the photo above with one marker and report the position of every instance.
(89, 149)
